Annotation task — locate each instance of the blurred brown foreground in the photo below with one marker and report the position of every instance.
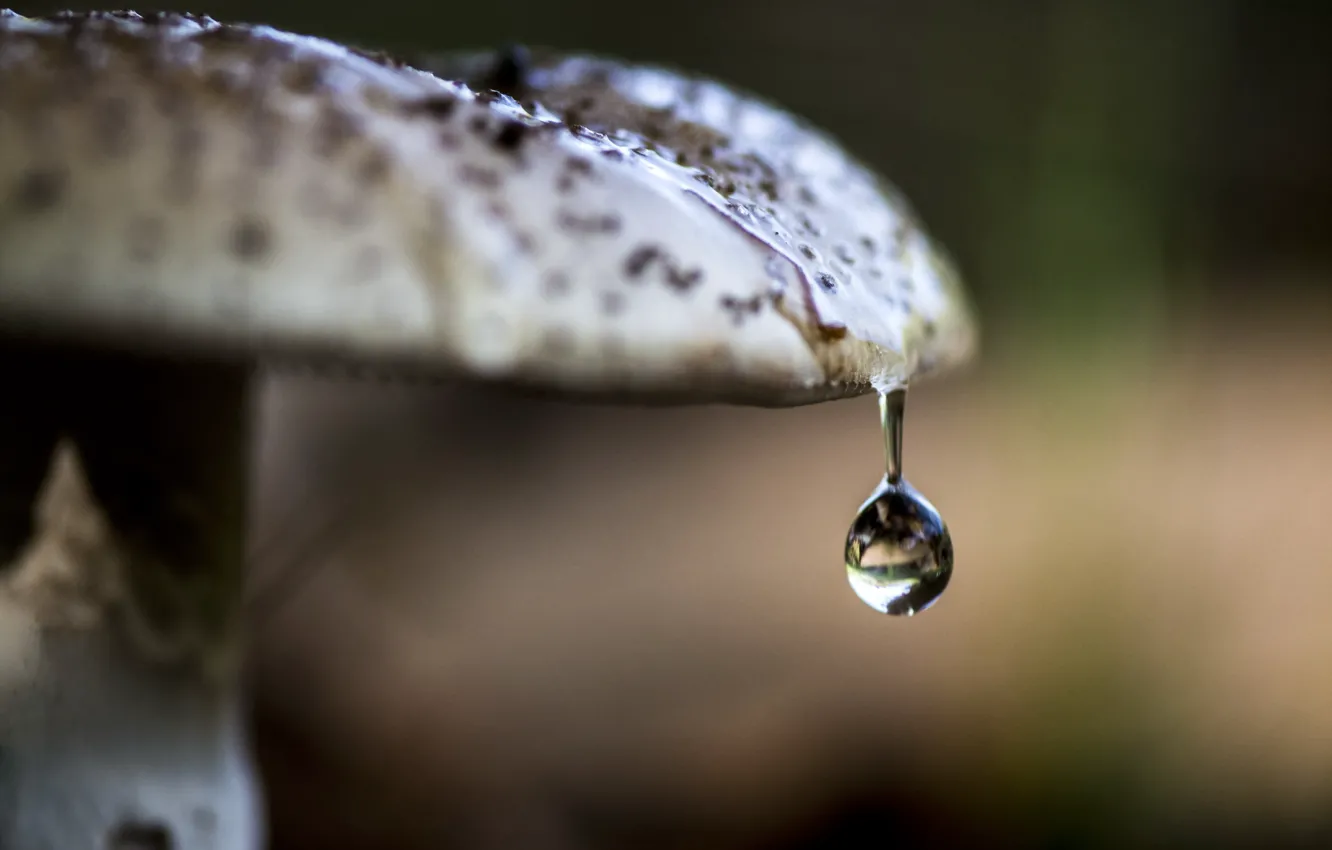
(536, 625)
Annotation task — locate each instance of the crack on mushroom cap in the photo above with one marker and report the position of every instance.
(278, 196)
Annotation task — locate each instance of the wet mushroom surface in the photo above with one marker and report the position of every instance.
(846, 254)
(184, 202)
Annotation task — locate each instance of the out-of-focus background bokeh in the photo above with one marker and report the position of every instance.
(535, 625)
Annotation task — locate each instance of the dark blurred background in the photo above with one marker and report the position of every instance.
(535, 625)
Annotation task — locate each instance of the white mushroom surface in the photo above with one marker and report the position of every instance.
(222, 189)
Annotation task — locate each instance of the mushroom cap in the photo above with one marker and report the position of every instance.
(167, 180)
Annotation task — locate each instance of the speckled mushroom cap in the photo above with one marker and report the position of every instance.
(169, 180)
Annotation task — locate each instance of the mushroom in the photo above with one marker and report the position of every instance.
(183, 201)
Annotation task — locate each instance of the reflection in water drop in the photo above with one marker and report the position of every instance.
(899, 556)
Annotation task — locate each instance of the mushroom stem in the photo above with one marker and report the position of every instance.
(121, 710)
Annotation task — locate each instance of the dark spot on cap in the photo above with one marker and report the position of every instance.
(575, 168)
(741, 308)
(595, 224)
(868, 244)
(511, 135)
(448, 140)
(807, 252)
(380, 100)
(374, 168)
(40, 189)
(722, 186)
(479, 123)
(334, 129)
(677, 277)
(304, 78)
(683, 280)
(639, 259)
(437, 106)
(826, 281)
(251, 239)
(843, 253)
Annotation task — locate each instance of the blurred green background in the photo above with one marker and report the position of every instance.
(548, 626)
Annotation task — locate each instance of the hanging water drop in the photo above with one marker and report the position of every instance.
(899, 556)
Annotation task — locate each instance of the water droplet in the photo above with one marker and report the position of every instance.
(899, 556)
